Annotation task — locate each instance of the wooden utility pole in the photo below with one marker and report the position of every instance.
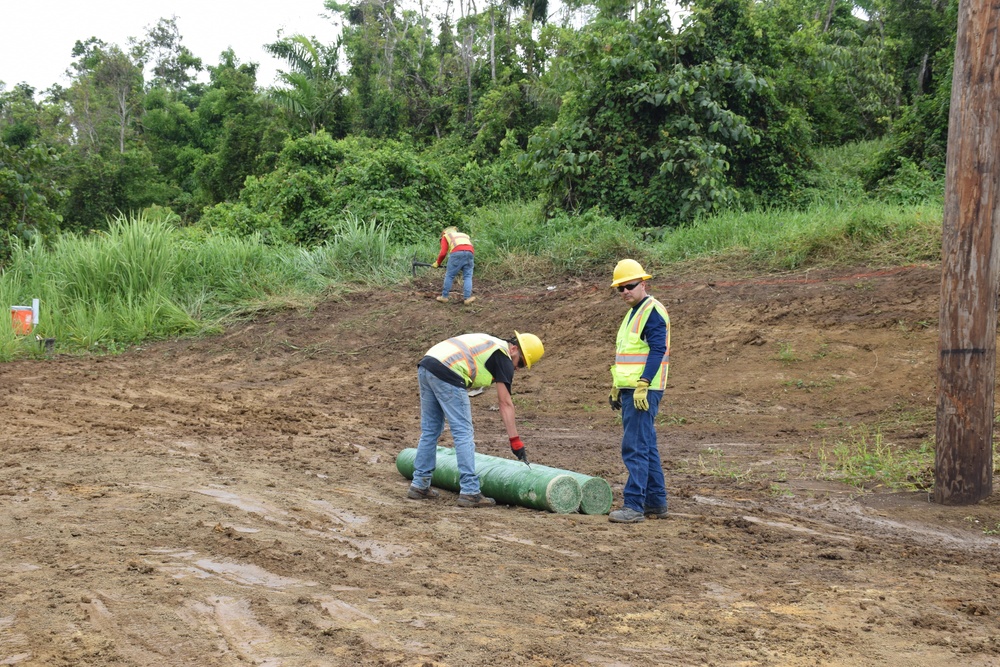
(963, 463)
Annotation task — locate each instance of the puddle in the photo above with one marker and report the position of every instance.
(9, 638)
(341, 611)
(530, 543)
(179, 553)
(245, 504)
(240, 573)
(20, 567)
(242, 630)
(365, 549)
(339, 515)
(944, 538)
(796, 529)
(251, 575)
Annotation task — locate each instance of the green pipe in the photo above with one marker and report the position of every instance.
(507, 481)
(596, 496)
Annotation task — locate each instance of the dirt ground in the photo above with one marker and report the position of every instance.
(233, 500)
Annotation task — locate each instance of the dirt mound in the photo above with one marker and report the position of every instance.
(233, 500)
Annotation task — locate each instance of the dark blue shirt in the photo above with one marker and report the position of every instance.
(655, 336)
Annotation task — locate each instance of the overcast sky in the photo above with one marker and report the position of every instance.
(37, 36)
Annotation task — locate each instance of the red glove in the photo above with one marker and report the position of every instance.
(518, 448)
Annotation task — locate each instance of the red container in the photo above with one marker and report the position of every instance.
(21, 319)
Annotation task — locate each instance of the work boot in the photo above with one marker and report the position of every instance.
(655, 512)
(442, 299)
(469, 300)
(626, 515)
(477, 500)
(416, 493)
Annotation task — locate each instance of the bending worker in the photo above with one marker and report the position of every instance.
(445, 374)
(642, 358)
(461, 258)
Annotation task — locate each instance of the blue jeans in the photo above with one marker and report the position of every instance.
(440, 401)
(464, 261)
(645, 488)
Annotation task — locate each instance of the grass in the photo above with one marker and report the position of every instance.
(865, 461)
(713, 463)
(144, 278)
(786, 354)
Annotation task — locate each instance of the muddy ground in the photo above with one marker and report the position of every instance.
(233, 500)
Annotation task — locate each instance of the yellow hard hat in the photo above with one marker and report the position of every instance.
(531, 347)
(627, 271)
(450, 229)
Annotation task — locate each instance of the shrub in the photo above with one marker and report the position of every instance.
(318, 181)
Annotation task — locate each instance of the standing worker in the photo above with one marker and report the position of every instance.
(445, 374)
(642, 358)
(458, 247)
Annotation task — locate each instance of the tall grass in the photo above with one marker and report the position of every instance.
(837, 223)
(145, 278)
(515, 241)
(869, 232)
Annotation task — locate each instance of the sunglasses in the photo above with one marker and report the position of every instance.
(622, 288)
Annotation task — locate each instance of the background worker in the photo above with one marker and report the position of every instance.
(642, 358)
(445, 374)
(458, 248)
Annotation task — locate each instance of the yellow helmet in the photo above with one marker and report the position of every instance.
(628, 270)
(531, 347)
(449, 229)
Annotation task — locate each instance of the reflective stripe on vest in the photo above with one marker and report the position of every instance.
(457, 238)
(632, 352)
(466, 355)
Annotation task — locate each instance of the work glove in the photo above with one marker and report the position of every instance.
(639, 395)
(519, 450)
(615, 398)
(435, 265)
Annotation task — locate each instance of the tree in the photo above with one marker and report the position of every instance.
(920, 135)
(315, 90)
(174, 66)
(239, 130)
(29, 195)
(658, 127)
(105, 94)
(122, 80)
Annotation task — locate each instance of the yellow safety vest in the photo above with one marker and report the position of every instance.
(467, 355)
(631, 351)
(456, 239)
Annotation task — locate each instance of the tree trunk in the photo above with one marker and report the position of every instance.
(963, 462)
(829, 15)
(493, 41)
(922, 76)
(469, 63)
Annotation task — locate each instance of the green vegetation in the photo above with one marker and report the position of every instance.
(413, 120)
(150, 276)
(713, 463)
(864, 460)
(146, 200)
(146, 279)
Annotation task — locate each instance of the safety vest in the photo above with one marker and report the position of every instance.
(467, 355)
(457, 239)
(631, 351)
